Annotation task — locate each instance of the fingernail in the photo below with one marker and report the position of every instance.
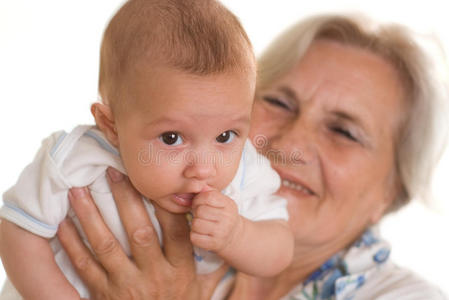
(115, 175)
(77, 193)
(206, 189)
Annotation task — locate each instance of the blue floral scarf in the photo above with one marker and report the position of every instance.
(343, 274)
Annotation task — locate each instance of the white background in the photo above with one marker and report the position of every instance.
(48, 78)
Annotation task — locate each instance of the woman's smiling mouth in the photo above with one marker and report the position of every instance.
(295, 186)
(293, 183)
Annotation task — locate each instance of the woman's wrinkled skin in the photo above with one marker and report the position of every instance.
(339, 108)
(329, 128)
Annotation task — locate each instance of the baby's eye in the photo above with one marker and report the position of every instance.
(226, 137)
(171, 138)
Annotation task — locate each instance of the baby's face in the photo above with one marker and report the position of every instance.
(182, 134)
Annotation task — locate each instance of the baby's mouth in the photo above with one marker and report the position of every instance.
(184, 199)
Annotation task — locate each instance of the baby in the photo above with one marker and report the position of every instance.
(177, 81)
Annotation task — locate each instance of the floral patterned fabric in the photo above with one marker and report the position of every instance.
(343, 274)
(363, 271)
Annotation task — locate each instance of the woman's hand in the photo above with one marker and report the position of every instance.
(153, 273)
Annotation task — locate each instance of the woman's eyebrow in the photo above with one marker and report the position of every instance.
(291, 96)
(367, 134)
(358, 120)
(348, 117)
(288, 92)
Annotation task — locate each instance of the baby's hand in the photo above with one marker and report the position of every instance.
(216, 221)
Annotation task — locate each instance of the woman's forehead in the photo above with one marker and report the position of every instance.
(336, 77)
(348, 68)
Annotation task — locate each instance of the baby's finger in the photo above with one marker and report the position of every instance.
(211, 198)
(104, 244)
(203, 241)
(142, 237)
(209, 213)
(202, 226)
(92, 274)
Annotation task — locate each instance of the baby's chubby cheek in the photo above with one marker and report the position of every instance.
(148, 175)
(152, 185)
(226, 172)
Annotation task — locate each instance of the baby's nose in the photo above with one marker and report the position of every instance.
(200, 169)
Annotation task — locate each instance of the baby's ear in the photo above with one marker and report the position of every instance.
(105, 121)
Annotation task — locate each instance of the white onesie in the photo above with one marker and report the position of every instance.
(38, 201)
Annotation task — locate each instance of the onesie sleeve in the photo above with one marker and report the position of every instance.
(258, 184)
(38, 201)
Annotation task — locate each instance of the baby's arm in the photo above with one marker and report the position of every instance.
(30, 265)
(262, 248)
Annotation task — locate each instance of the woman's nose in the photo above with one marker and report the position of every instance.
(296, 144)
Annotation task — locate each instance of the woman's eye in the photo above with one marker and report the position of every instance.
(275, 101)
(345, 133)
(171, 138)
(226, 137)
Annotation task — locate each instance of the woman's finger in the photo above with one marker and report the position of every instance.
(92, 274)
(176, 235)
(105, 246)
(142, 237)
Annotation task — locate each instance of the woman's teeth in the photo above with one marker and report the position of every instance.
(295, 186)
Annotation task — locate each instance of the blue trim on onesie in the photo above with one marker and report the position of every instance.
(102, 142)
(197, 257)
(58, 142)
(23, 213)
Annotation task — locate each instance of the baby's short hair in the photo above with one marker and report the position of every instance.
(200, 37)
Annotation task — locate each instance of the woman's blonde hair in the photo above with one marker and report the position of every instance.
(422, 134)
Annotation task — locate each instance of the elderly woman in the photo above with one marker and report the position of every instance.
(347, 114)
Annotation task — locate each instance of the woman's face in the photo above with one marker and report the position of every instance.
(328, 127)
